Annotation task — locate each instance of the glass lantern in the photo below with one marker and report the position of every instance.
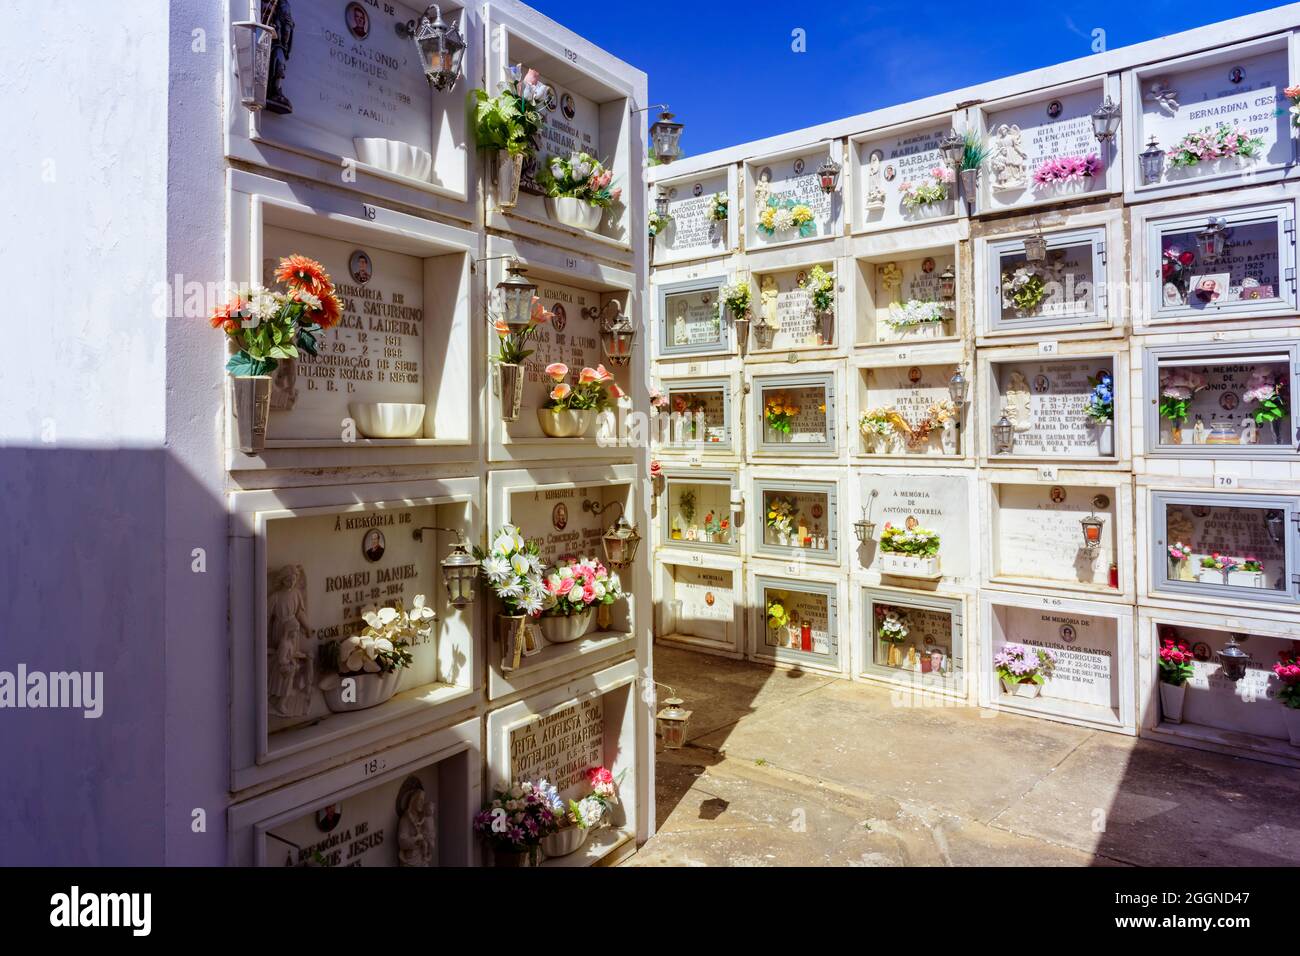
(459, 574)
(1212, 241)
(661, 201)
(252, 54)
(673, 721)
(764, 333)
(828, 174)
(1091, 527)
(864, 529)
(953, 147)
(948, 284)
(617, 338)
(621, 540)
(439, 46)
(1275, 523)
(1036, 247)
(1004, 434)
(517, 295)
(1233, 659)
(1105, 120)
(1152, 160)
(957, 388)
(666, 136)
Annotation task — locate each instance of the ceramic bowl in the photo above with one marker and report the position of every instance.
(394, 156)
(388, 419)
(561, 629)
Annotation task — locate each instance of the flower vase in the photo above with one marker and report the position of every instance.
(1276, 426)
(512, 630)
(361, 691)
(948, 437)
(783, 538)
(1292, 717)
(565, 628)
(602, 617)
(1171, 701)
(564, 422)
(250, 409)
(1027, 689)
(576, 213)
(1176, 432)
(509, 169)
(1105, 439)
(564, 842)
(510, 379)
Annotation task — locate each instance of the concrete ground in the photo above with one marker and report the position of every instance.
(787, 768)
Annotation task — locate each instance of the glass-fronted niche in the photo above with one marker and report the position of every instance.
(699, 604)
(795, 414)
(696, 414)
(691, 320)
(907, 297)
(907, 410)
(914, 639)
(797, 620)
(1040, 535)
(1066, 287)
(697, 510)
(1236, 398)
(1227, 264)
(785, 313)
(798, 518)
(1248, 705)
(1059, 408)
(1227, 547)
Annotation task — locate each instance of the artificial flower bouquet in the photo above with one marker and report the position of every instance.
(1175, 267)
(718, 210)
(876, 425)
(777, 617)
(515, 821)
(657, 223)
(779, 413)
(512, 569)
(1292, 93)
(890, 626)
(593, 391)
(736, 297)
(821, 285)
(511, 120)
(913, 314)
(1175, 661)
(716, 525)
(1287, 670)
(1023, 670)
(1179, 554)
(927, 192)
(1268, 393)
(909, 552)
(1100, 406)
(510, 345)
(1176, 392)
(581, 176)
(1215, 142)
(363, 670)
(1024, 289)
(781, 215)
(267, 326)
(780, 515)
(576, 587)
(1067, 170)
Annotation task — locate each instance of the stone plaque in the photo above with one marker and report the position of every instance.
(793, 179)
(365, 829)
(561, 747)
(809, 628)
(1039, 535)
(783, 302)
(1246, 93)
(1247, 706)
(889, 162)
(693, 231)
(940, 503)
(1045, 402)
(375, 354)
(323, 573)
(555, 519)
(1085, 646)
(693, 320)
(1022, 138)
(705, 602)
(571, 123)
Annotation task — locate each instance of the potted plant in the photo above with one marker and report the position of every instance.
(1248, 573)
(512, 569)
(686, 509)
(779, 415)
(576, 819)
(508, 124)
(570, 409)
(1179, 562)
(780, 518)
(1287, 670)
(510, 357)
(1212, 143)
(514, 823)
(943, 413)
(1175, 670)
(266, 327)
(928, 197)
(1268, 392)
(364, 670)
(657, 223)
(1214, 568)
(915, 319)
(1023, 290)
(579, 189)
(782, 215)
(876, 428)
(1023, 670)
(909, 552)
(1065, 175)
(573, 590)
(718, 210)
(1100, 410)
(821, 286)
(1176, 391)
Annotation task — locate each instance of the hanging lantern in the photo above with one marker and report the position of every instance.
(1036, 246)
(460, 569)
(621, 540)
(672, 721)
(617, 338)
(957, 388)
(948, 284)
(665, 135)
(763, 333)
(661, 202)
(1232, 659)
(1275, 522)
(439, 46)
(1212, 241)
(1152, 160)
(864, 529)
(1105, 120)
(1091, 526)
(252, 54)
(953, 148)
(516, 297)
(828, 173)
(1004, 434)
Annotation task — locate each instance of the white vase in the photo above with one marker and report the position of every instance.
(576, 213)
(1210, 576)
(564, 422)
(1246, 579)
(564, 842)
(1070, 188)
(1171, 701)
(509, 169)
(369, 690)
(1105, 439)
(948, 438)
(1292, 717)
(908, 566)
(388, 419)
(930, 210)
(564, 629)
(394, 156)
(1026, 689)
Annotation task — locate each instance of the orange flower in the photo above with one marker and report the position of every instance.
(329, 313)
(560, 392)
(539, 315)
(604, 374)
(588, 376)
(501, 328)
(299, 272)
(227, 316)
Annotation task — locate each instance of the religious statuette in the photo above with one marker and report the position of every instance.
(417, 826)
(1008, 160)
(1164, 97)
(875, 182)
(1018, 402)
(768, 293)
(290, 668)
(277, 15)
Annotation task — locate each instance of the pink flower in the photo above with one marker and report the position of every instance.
(588, 593)
(616, 195)
(588, 376)
(560, 392)
(604, 374)
(566, 585)
(531, 78)
(557, 371)
(616, 392)
(540, 315)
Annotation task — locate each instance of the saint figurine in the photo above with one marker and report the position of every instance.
(417, 831)
(291, 671)
(1198, 432)
(276, 14)
(767, 293)
(1009, 161)
(875, 182)
(762, 189)
(1018, 402)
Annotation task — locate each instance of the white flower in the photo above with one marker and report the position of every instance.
(504, 544)
(519, 564)
(419, 612)
(530, 603)
(782, 220)
(496, 568)
(510, 590)
(534, 564)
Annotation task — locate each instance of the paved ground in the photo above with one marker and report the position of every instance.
(785, 768)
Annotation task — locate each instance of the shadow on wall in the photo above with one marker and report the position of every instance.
(85, 588)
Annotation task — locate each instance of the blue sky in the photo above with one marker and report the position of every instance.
(728, 71)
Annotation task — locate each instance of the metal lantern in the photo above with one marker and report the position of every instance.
(829, 175)
(1232, 659)
(957, 388)
(617, 338)
(1275, 523)
(1091, 527)
(460, 569)
(1036, 247)
(1004, 434)
(516, 297)
(252, 49)
(621, 540)
(672, 722)
(1153, 162)
(864, 529)
(1212, 241)
(666, 136)
(948, 283)
(661, 202)
(1105, 120)
(764, 333)
(953, 147)
(439, 45)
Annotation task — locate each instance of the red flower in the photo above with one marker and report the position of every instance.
(1186, 258)
(299, 272)
(227, 316)
(1167, 269)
